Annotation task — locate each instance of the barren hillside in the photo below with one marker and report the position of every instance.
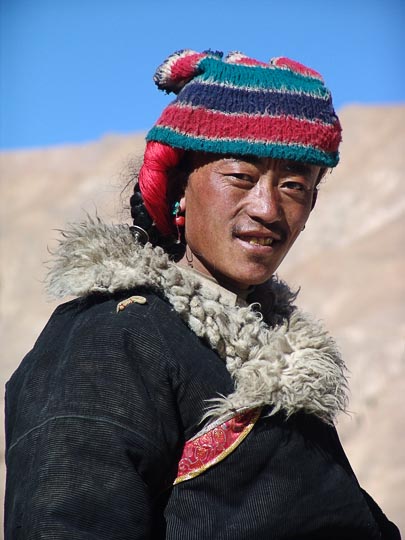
(349, 262)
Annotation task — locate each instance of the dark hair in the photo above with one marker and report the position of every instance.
(175, 246)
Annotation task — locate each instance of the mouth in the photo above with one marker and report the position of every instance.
(259, 239)
(259, 245)
(256, 240)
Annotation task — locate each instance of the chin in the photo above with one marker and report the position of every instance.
(250, 279)
(257, 276)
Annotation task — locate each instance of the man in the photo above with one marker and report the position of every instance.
(192, 400)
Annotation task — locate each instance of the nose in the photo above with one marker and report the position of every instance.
(264, 204)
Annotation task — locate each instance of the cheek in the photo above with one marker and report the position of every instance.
(205, 211)
(201, 226)
(198, 222)
(296, 217)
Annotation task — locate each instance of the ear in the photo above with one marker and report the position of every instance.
(314, 198)
(183, 204)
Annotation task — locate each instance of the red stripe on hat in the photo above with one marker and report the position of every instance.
(241, 59)
(185, 67)
(199, 122)
(297, 67)
(250, 62)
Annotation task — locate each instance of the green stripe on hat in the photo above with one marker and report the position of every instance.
(294, 152)
(273, 77)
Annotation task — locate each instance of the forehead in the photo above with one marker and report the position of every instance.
(200, 159)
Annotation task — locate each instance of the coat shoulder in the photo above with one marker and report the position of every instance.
(127, 357)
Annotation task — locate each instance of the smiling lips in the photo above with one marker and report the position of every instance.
(257, 238)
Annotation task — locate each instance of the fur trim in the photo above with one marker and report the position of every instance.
(288, 362)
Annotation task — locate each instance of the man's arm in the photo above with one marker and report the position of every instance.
(80, 477)
(91, 428)
(388, 529)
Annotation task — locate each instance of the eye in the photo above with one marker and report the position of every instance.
(243, 177)
(298, 191)
(240, 172)
(243, 180)
(295, 186)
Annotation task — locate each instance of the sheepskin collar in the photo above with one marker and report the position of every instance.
(277, 356)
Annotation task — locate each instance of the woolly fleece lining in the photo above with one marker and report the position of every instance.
(289, 362)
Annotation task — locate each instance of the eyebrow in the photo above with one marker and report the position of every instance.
(299, 167)
(254, 160)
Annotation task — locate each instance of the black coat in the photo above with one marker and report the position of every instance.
(96, 419)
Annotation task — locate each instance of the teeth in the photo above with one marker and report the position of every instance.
(261, 241)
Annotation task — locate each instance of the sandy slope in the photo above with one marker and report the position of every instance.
(350, 263)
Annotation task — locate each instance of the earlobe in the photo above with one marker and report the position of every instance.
(183, 204)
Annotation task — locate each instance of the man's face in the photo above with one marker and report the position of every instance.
(243, 215)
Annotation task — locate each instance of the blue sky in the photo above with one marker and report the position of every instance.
(74, 70)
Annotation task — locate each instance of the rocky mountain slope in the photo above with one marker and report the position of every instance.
(349, 263)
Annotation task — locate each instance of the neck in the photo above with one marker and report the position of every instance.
(190, 260)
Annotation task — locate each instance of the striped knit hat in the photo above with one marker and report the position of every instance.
(242, 106)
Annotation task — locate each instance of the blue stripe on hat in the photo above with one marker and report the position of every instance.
(239, 100)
